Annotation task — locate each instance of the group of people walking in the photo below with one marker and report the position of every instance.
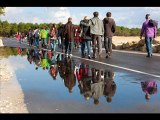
(90, 33)
(69, 36)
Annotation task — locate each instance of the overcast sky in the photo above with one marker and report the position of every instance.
(124, 16)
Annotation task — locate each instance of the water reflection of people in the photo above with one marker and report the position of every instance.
(84, 80)
(33, 55)
(97, 86)
(69, 77)
(94, 83)
(30, 54)
(36, 58)
(44, 61)
(19, 50)
(149, 87)
(53, 66)
(109, 85)
(61, 65)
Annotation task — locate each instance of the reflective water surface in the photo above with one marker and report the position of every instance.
(53, 83)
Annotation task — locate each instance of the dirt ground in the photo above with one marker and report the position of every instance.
(119, 40)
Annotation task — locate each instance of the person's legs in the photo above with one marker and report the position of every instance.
(32, 40)
(74, 44)
(71, 44)
(110, 45)
(51, 43)
(99, 41)
(62, 43)
(94, 45)
(37, 40)
(42, 42)
(45, 42)
(88, 47)
(20, 40)
(106, 44)
(66, 47)
(82, 48)
(150, 48)
(54, 45)
(147, 41)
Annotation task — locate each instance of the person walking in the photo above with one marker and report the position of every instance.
(97, 31)
(22, 37)
(150, 33)
(86, 38)
(69, 37)
(109, 30)
(61, 35)
(18, 37)
(53, 37)
(76, 38)
(43, 37)
(36, 36)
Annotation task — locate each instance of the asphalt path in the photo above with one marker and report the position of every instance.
(130, 61)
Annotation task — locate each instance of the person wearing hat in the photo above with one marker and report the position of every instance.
(150, 33)
(96, 31)
(69, 37)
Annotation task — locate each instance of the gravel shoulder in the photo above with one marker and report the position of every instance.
(1, 43)
(11, 94)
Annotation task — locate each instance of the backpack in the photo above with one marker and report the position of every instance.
(153, 23)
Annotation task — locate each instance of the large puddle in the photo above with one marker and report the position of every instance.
(52, 83)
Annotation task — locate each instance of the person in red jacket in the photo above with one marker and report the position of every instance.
(18, 37)
(76, 38)
(84, 80)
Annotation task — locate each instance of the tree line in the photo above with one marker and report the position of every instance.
(9, 29)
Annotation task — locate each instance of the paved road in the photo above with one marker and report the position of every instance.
(122, 60)
(130, 69)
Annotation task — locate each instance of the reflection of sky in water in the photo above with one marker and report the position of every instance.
(39, 85)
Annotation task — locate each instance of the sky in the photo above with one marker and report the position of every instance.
(130, 17)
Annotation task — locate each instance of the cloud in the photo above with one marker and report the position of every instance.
(124, 16)
(12, 14)
(58, 14)
(37, 20)
(14, 10)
